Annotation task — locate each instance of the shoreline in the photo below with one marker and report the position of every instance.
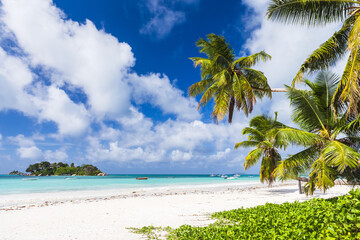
(109, 216)
(18, 201)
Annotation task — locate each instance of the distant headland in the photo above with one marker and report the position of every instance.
(60, 169)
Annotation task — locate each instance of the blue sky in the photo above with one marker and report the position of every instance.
(105, 82)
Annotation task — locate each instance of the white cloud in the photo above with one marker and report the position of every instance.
(22, 141)
(32, 153)
(158, 91)
(58, 155)
(114, 151)
(178, 155)
(164, 17)
(77, 57)
(221, 155)
(81, 54)
(15, 76)
(177, 141)
(27, 148)
(56, 106)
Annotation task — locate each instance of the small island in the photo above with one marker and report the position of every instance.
(18, 173)
(60, 169)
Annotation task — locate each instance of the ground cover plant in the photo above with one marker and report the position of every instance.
(336, 218)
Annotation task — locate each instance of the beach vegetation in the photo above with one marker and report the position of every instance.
(151, 232)
(231, 82)
(345, 41)
(262, 136)
(47, 169)
(336, 218)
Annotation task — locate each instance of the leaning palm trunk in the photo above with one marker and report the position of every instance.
(279, 90)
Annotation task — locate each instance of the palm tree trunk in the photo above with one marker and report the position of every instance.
(231, 108)
(301, 179)
(300, 188)
(272, 90)
(279, 90)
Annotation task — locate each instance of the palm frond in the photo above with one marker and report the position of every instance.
(295, 136)
(200, 87)
(208, 95)
(340, 156)
(306, 112)
(353, 39)
(246, 144)
(248, 97)
(254, 134)
(297, 164)
(215, 45)
(349, 89)
(258, 82)
(253, 157)
(328, 53)
(309, 12)
(221, 107)
(324, 174)
(249, 61)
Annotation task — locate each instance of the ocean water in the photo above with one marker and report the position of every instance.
(21, 185)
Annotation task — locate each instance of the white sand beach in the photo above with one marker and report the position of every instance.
(108, 214)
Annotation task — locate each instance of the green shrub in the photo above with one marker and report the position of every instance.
(337, 218)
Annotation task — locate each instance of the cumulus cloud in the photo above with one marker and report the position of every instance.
(158, 91)
(22, 141)
(27, 148)
(178, 155)
(164, 16)
(114, 151)
(58, 155)
(171, 141)
(76, 56)
(15, 76)
(32, 152)
(81, 54)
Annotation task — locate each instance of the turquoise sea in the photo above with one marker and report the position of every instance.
(21, 185)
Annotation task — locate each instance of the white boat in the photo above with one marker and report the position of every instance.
(236, 175)
(224, 176)
(29, 179)
(230, 178)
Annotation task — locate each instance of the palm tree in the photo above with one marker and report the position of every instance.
(262, 136)
(331, 140)
(346, 40)
(230, 81)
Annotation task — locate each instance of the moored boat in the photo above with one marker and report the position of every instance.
(141, 178)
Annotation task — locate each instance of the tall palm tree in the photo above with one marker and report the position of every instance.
(331, 140)
(262, 136)
(346, 40)
(230, 81)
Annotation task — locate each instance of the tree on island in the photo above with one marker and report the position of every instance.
(45, 168)
(231, 82)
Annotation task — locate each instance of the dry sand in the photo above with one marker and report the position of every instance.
(108, 214)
